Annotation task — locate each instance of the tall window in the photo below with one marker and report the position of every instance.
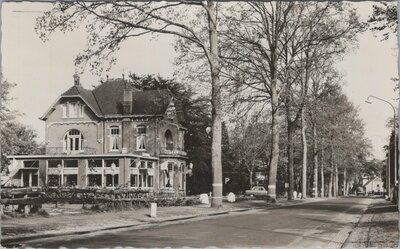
(134, 180)
(72, 110)
(169, 142)
(73, 141)
(141, 138)
(150, 181)
(142, 180)
(114, 138)
(168, 176)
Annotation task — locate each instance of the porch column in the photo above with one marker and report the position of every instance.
(102, 173)
(22, 178)
(127, 172)
(121, 172)
(156, 176)
(82, 173)
(62, 173)
(42, 174)
(30, 179)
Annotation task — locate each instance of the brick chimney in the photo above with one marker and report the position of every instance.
(127, 103)
(76, 80)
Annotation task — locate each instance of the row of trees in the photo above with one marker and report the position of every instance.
(273, 62)
(337, 155)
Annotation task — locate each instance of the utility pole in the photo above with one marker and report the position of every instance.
(395, 141)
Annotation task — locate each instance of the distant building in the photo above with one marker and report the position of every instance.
(113, 134)
(373, 185)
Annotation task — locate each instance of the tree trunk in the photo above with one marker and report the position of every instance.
(290, 152)
(322, 170)
(336, 186)
(344, 183)
(216, 160)
(251, 178)
(315, 153)
(275, 145)
(330, 184)
(304, 143)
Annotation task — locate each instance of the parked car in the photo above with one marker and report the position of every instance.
(256, 191)
(360, 191)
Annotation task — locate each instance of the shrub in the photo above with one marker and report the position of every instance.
(43, 213)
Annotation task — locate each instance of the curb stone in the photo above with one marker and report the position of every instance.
(16, 239)
(344, 242)
(6, 241)
(355, 242)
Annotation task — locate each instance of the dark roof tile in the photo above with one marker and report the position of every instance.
(106, 99)
(109, 96)
(86, 95)
(150, 101)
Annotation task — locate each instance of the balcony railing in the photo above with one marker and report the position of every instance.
(172, 150)
(61, 151)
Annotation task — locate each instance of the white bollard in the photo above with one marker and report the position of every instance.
(204, 199)
(231, 197)
(153, 210)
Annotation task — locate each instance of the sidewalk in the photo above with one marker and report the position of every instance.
(70, 221)
(378, 227)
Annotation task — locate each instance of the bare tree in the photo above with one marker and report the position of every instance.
(271, 55)
(249, 144)
(109, 24)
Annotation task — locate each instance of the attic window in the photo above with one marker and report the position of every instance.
(72, 110)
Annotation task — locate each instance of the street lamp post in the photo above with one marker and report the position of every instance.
(395, 140)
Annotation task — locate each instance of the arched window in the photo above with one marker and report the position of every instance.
(73, 141)
(169, 142)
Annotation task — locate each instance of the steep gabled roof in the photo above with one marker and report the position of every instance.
(109, 96)
(106, 99)
(372, 179)
(86, 95)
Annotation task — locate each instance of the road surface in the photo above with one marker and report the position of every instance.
(315, 224)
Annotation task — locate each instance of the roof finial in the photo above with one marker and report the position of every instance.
(123, 76)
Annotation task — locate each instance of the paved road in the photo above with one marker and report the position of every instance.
(315, 224)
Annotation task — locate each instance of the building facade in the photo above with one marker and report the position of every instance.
(113, 135)
(373, 185)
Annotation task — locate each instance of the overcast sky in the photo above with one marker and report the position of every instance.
(44, 70)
